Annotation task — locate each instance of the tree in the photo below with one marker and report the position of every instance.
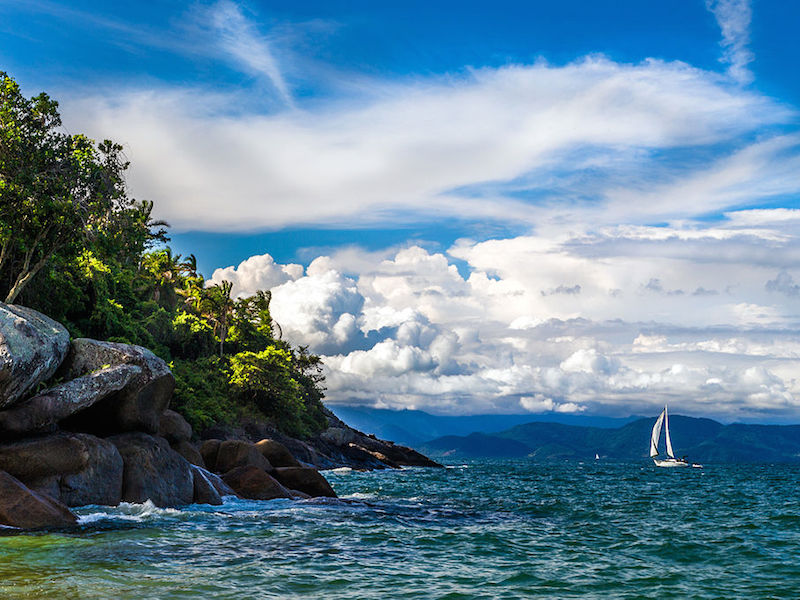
(56, 189)
(216, 305)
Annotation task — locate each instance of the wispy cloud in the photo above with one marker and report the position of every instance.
(240, 38)
(733, 17)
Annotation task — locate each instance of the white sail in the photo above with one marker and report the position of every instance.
(670, 453)
(656, 434)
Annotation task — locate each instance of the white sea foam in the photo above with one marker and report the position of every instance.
(342, 470)
(129, 511)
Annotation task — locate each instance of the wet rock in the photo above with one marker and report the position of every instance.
(190, 453)
(26, 509)
(204, 490)
(59, 402)
(209, 450)
(139, 405)
(77, 469)
(238, 453)
(152, 470)
(174, 428)
(255, 484)
(277, 454)
(32, 346)
(304, 479)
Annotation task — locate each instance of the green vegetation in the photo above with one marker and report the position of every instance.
(74, 246)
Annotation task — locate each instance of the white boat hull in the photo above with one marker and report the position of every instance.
(670, 462)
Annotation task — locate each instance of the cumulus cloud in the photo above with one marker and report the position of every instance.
(407, 329)
(259, 272)
(784, 284)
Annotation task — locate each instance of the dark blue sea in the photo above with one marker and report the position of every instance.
(488, 529)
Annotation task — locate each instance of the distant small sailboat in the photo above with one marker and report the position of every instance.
(670, 461)
(596, 456)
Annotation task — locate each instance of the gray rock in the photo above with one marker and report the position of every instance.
(255, 484)
(338, 436)
(304, 479)
(204, 490)
(22, 507)
(75, 468)
(51, 406)
(277, 454)
(32, 346)
(190, 453)
(139, 405)
(153, 471)
(238, 453)
(174, 427)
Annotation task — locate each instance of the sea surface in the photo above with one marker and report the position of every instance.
(486, 529)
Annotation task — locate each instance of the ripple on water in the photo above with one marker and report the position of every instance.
(501, 529)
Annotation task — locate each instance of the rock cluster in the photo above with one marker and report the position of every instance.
(102, 434)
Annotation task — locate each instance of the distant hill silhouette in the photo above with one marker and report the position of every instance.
(415, 427)
(703, 440)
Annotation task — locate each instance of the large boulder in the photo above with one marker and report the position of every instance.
(304, 479)
(174, 428)
(139, 405)
(277, 454)
(209, 450)
(190, 453)
(32, 346)
(237, 453)
(26, 509)
(75, 468)
(51, 406)
(153, 471)
(255, 484)
(204, 490)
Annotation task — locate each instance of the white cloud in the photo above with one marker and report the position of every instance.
(450, 146)
(733, 17)
(259, 272)
(408, 330)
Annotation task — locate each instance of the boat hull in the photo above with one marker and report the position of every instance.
(670, 462)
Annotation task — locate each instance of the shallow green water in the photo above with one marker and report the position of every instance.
(501, 529)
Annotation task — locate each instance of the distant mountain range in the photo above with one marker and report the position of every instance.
(415, 427)
(703, 440)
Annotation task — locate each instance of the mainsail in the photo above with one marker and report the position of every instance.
(666, 428)
(656, 433)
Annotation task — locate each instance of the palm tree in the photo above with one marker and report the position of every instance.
(216, 304)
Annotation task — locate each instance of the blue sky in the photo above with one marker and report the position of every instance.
(469, 207)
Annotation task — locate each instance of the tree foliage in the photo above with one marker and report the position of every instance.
(75, 246)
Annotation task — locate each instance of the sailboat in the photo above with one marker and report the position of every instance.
(670, 460)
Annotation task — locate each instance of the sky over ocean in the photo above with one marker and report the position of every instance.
(468, 207)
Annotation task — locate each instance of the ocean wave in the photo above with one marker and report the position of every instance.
(128, 511)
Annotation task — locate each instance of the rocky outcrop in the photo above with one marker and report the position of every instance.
(76, 469)
(204, 491)
(23, 508)
(190, 453)
(174, 428)
(153, 471)
(136, 407)
(238, 453)
(304, 479)
(32, 346)
(277, 454)
(43, 411)
(255, 484)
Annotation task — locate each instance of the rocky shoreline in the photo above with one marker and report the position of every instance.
(102, 433)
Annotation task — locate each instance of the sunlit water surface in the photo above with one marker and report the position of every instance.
(491, 529)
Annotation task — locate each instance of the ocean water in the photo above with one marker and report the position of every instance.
(486, 529)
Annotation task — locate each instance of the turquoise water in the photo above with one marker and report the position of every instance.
(500, 529)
